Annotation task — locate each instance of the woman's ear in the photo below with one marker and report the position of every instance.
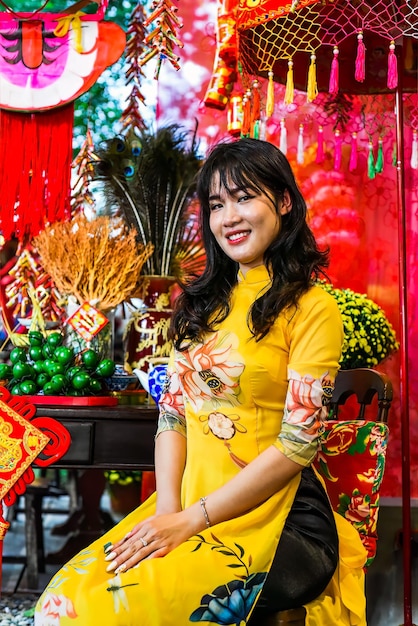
(286, 205)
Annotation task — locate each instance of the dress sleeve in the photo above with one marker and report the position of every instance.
(315, 335)
(171, 404)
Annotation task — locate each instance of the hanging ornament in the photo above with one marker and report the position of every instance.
(234, 115)
(338, 150)
(334, 76)
(270, 95)
(360, 72)
(414, 152)
(46, 63)
(392, 67)
(283, 136)
(289, 93)
(312, 90)
(320, 154)
(300, 156)
(353, 153)
(378, 167)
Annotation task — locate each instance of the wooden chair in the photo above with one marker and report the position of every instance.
(352, 459)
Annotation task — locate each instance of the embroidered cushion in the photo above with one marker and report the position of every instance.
(352, 462)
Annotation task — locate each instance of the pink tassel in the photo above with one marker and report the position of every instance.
(334, 77)
(300, 157)
(360, 73)
(392, 67)
(320, 154)
(353, 155)
(338, 150)
(283, 136)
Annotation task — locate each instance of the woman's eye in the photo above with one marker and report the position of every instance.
(244, 198)
(214, 207)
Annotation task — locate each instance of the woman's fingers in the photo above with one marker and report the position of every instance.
(128, 554)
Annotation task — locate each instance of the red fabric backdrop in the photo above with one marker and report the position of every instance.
(356, 215)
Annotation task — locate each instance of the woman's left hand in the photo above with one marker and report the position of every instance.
(154, 537)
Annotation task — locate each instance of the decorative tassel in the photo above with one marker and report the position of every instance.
(353, 154)
(270, 96)
(360, 73)
(288, 96)
(392, 67)
(338, 150)
(414, 153)
(300, 150)
(378, 167)
(320, 154)
(312, 91)
(283, 136)
(394, 155)
(334, 77)
(370, 162)
(255, 110)
(246, 114)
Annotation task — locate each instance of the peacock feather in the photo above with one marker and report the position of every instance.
(150, 178)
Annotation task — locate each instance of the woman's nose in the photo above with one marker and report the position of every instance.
(230, 213)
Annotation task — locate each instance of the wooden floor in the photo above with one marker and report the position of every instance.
(384, 581)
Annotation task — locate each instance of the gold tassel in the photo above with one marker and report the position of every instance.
(270, 96)
(288, 96)
(312, 91)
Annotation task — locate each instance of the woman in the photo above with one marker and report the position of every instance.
(240, 526)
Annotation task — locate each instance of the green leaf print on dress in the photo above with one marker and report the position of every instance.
(230, 603)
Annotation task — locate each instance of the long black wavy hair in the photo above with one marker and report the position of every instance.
(293, 259)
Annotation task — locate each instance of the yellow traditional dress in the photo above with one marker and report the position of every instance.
(233, 397)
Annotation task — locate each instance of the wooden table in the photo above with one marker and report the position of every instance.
(120, 437)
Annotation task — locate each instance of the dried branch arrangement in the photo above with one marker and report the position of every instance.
(97, 261)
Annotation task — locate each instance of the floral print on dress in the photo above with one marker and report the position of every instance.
(209, 372)
(54, 606)
(304, 415)
(230, 603)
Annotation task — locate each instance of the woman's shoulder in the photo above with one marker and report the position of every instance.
(317, 298)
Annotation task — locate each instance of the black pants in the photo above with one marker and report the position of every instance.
(307, 554)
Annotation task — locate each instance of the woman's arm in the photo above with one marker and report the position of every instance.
(170, 459)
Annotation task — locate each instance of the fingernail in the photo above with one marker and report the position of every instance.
(120, 569)
(111, 567)
(110, 556)
(107, 547)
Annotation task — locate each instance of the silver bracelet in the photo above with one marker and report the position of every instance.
(205, 513)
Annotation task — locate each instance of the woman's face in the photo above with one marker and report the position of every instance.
(245, 223)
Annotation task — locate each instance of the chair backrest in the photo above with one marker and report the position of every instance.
(353, 451)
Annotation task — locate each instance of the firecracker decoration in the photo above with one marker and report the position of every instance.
(224, 73)
(45, 64)
(131, 117)
(29, 284)
(162, 40)
(392, 67)
(83, 169)
(338, 142)
(378, 166)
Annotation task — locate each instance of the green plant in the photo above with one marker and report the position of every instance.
(368, 335)
(123, 477)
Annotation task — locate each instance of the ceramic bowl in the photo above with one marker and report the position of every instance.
(121, 380)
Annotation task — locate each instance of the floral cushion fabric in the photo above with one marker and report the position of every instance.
(352, 462)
